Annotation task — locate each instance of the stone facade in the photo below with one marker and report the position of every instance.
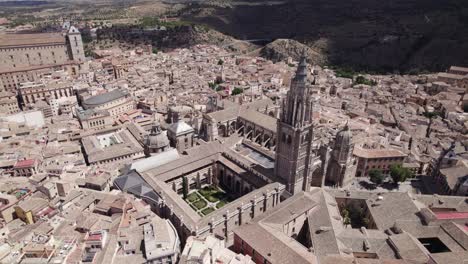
(25, 56)
(342, 167)
(30, 93)
(8, 103)
(116, 102)
(294, 155)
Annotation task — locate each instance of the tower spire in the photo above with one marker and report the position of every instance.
(295, 134)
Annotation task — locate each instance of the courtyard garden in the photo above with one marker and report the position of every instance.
(207, 199)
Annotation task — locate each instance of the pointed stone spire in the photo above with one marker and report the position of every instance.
(301, 71)
(346, 127)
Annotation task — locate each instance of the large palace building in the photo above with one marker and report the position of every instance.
(24, 57)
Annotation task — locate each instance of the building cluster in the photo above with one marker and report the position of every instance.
(199, 155)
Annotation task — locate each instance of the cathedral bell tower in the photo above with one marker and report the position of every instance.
(294, 156)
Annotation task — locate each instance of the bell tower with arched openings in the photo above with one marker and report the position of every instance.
(294, 156)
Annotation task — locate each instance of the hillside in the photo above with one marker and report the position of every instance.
(380, 36)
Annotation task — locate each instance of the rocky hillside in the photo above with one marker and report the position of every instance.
(182, 36)
(281, 49)
(380, 36)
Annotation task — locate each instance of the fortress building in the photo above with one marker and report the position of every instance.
(25, 57)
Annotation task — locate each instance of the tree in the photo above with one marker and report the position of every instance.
(376, 176)
(237, 91)
(430, 116)
(363, 80)
(346, 219)
(155, 50)
(185, 187)
(400, 174)
(220, 62)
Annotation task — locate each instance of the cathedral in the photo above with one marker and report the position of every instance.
(295, 159)
(258, 154)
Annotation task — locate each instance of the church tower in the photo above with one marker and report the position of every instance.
(294, 156)
(75, 45)
(342, 167)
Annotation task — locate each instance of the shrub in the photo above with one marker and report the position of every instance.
(237, 91)
(363, 80)
(193, 197)
(400, 174)
(431, 115)
(212, 199)
(344, 73)
(220, 204)
(200, 204)
(207, 210)
(376, 176)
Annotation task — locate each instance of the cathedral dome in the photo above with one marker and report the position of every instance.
(156, 139)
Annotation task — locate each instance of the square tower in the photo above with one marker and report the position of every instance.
(294, 156)
(75, 45)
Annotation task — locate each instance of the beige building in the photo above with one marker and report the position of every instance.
(31, 92)
(180, 135)
(379, 159)
(116, 102)
(455, 76)
(24, 56)
(8, 103)
(113, 146)
(95, 119)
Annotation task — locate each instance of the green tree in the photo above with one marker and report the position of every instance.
(465, 108)
(430, 116)
(220, 62)
(346, 218)
(344, 73)
(363, 80)
(237, 91)
(376, 176)
(155, 50)
(400, 174)
(185, 187)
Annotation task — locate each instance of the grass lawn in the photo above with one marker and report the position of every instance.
(208, 190)
(220, 204)
(213, 194)
(200, 204)
(193, 197)
(207, 210)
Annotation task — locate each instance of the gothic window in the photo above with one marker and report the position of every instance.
(289, 139)
(284, 137)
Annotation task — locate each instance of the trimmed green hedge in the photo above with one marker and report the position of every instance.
(200, 204)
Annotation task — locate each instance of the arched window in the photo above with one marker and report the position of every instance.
(289, 139)
(283, 138)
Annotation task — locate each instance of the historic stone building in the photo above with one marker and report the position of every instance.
(239, 158)
(295, 159)
(116, 102)
(156, 141)
(31, 93)
(8, 103)
(180, 135)
(342, 165)
(25, 57)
